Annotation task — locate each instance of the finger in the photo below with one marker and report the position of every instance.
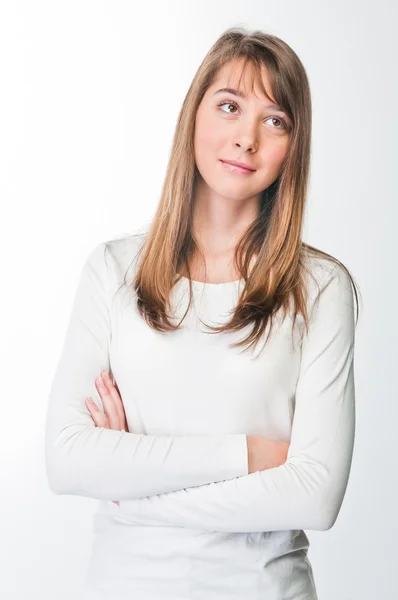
(97, 415)
(112, 390)
(108, 403)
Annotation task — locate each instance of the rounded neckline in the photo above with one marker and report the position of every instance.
(209, 284)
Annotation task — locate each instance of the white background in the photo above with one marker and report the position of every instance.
(89, 96)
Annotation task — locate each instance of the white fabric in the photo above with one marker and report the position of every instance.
(192, 523)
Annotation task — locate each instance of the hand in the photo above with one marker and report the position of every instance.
(113, 416)
(265, 454)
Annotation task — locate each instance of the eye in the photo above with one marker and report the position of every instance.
(229, 104)
(281, 120)
(232, 103)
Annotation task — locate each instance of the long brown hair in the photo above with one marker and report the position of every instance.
(274, 238)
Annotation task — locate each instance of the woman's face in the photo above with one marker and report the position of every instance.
(244, 129)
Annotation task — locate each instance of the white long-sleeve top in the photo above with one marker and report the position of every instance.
(190, 400)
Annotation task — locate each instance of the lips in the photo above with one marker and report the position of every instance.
(238, 166)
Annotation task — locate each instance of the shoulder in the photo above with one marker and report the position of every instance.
(125, 249)
(109, 262)
(328, 279)
(117, 253)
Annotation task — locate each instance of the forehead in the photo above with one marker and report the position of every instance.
(245, 77)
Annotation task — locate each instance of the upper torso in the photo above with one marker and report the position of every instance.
(189, 382)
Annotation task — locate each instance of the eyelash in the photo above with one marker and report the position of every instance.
(286, 126)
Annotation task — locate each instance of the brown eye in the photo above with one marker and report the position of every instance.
(229, 103)
(284, 124)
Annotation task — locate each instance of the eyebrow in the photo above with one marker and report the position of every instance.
(240, 94)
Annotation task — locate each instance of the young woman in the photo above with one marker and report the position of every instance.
(225, 416)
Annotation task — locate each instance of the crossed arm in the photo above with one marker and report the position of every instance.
(106, 464)
(307, 491)
(154, 483)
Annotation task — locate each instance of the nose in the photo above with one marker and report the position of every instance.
(246, 147)
(247, 139)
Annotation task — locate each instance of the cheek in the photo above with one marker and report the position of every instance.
(208, 134)
(206, 138)
(274, 155)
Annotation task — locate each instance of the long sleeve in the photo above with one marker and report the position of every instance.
(85, 460)
(307, 491)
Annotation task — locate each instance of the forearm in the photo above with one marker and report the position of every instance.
(300, 494)
(109, 464)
